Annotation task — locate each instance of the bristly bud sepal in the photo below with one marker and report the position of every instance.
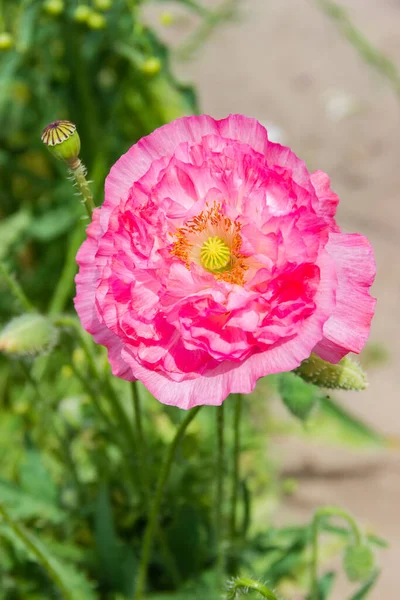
(345, 375)
(359, 562)
(28, 335)
(62, 139)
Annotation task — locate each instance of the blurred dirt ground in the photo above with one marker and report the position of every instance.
(285, 63)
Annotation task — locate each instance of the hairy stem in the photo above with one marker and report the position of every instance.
(220, 495)
(78, 171)
(244, 584)
(15, 289)
(156, 503)
(320, 514)
(235, 472)
(371, 55)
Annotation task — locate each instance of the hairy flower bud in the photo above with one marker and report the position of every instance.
(345, 375)
(359, 562)
(28, 335)
(62, 139)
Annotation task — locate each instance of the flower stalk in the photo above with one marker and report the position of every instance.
(320, 514)
(235, 472)
(220, 495)
(156, 503)
(242, 585)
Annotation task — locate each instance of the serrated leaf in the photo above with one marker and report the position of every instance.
(366, 588)
(299, 397)
(35, 479)
(70, 582)
(23, 505)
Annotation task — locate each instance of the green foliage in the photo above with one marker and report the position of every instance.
(74, 486)
(300, 398)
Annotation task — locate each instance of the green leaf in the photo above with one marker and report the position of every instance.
(117, 562)
(366, 588)
(12, 229)
(333, 423)
(299, 397)
(325, 585)
(53, 223)
(23, 505)
(71, 583)
(35, 479)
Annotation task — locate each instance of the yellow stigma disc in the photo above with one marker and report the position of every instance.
(215, 254)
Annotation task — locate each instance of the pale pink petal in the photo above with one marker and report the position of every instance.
(348, 328)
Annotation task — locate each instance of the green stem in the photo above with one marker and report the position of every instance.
(141, 452)
(143, 465)
(156, 503)
(220, 495)
(236, 458)
(33, 547)
(15, 289)
(46, 409)
(320, 514)
(79, 174)
(371, 55)
(245, 584)
(65, 283)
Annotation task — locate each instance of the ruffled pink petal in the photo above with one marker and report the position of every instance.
(85, 305)
(348, 328)
(213, 386)
(327, 199)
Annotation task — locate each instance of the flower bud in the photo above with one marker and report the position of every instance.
(96, 20)
(54, 7)
(358, 562)
(62, 140)
(345, 375)
(151, 66)
(28, 335)
(6, 41)
(82, 13)
(102, 5)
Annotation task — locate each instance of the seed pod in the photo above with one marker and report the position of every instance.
(62, 139)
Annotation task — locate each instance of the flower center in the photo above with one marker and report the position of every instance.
(215, 254)
(212, 241)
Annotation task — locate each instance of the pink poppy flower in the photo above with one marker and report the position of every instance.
(215, 260)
